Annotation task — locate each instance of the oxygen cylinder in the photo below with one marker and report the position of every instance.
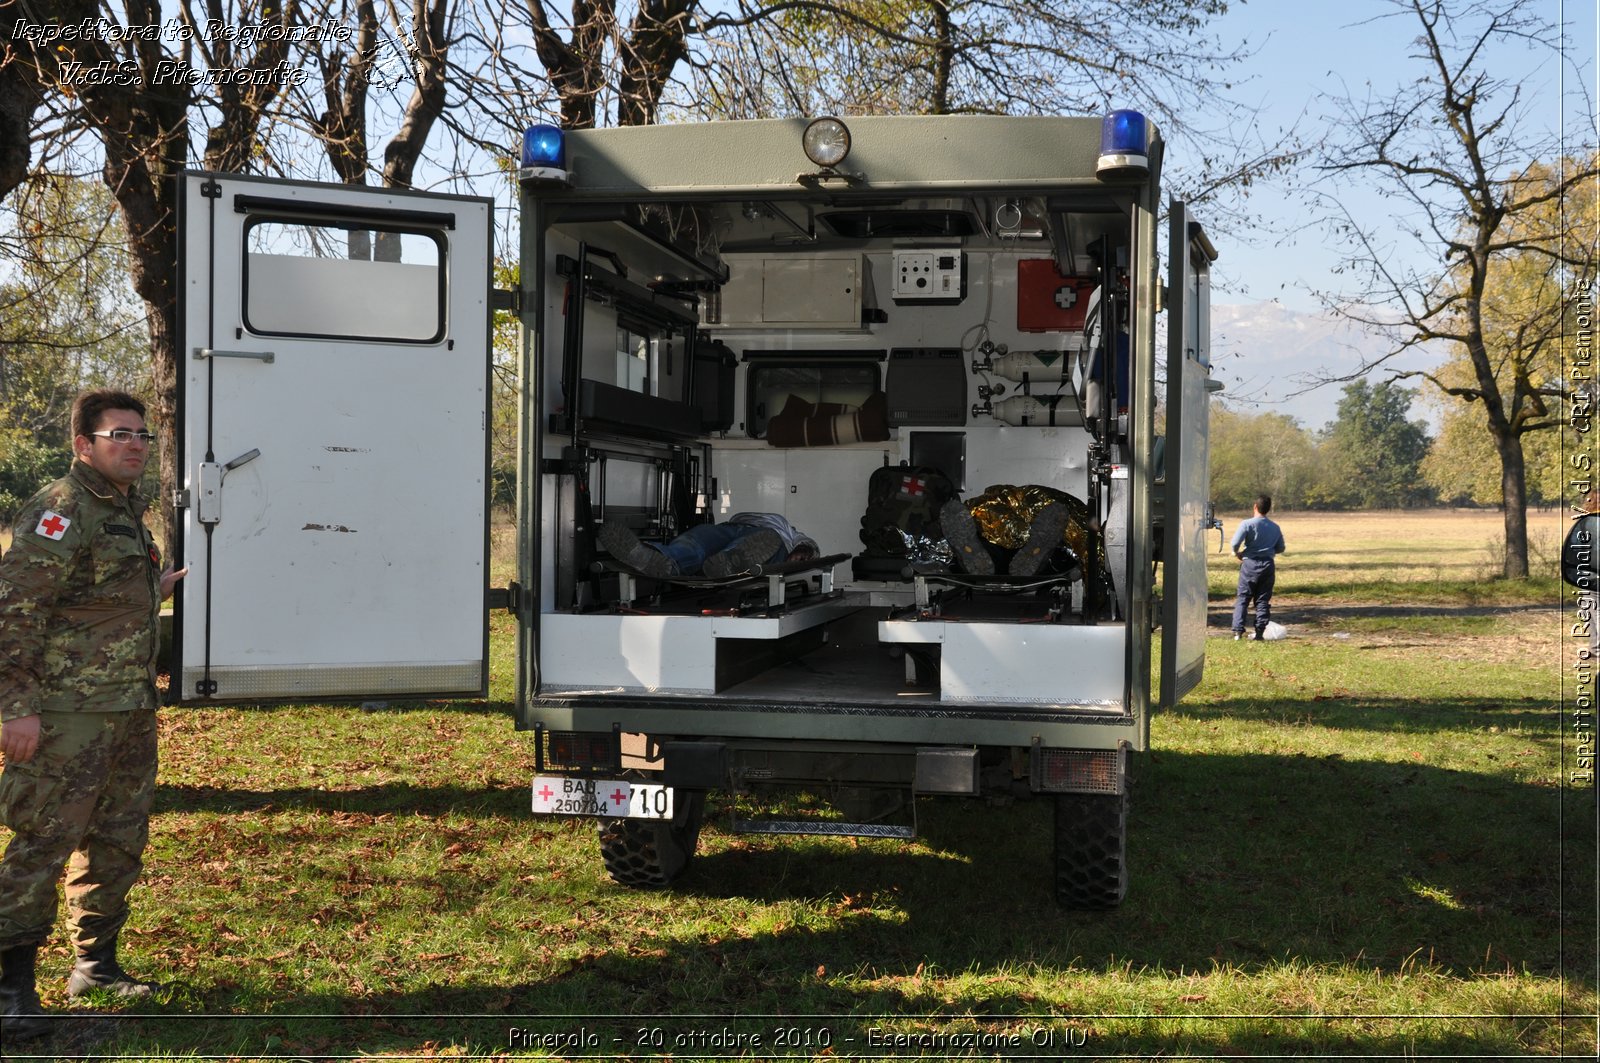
(1036, 411)
(1042, 368)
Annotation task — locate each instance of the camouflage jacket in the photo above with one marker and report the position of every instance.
(80, 595)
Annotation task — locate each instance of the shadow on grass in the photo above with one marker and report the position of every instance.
(1447, 590)
(1247, 864)
(1539, 718)
(1236, 860)
(393, 798)
(1399, 568)
(1220, 614)
(488, 707)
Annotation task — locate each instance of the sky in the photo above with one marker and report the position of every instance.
(1304, 51)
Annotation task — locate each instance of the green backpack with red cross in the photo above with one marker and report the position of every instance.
(902, 517)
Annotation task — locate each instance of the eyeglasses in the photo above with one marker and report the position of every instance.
(124, 436)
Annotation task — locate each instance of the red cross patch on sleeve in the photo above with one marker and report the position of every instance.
(52, 525)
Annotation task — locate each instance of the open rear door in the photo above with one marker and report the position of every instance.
(1188, 456)
(333, 396)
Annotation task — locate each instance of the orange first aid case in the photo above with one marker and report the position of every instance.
(1047, 301)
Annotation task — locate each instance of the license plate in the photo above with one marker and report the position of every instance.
(621, 799)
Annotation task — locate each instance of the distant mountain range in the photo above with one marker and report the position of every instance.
(1268, 357)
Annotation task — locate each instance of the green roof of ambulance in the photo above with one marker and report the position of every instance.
(936, 154)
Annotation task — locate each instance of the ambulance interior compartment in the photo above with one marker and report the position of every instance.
(683, 329)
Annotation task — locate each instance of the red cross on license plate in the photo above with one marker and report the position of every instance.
(563, 795)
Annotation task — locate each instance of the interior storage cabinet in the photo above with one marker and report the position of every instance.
(791, 291)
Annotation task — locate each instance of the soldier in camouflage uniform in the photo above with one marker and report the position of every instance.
(80, 593)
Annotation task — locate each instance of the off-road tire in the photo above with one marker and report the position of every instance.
(650, 853)
(1091, 850)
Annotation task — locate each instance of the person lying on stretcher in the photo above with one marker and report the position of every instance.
(741, 542)
(1018, 526)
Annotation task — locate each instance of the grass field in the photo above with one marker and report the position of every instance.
(1448, 557)
(1357, 842)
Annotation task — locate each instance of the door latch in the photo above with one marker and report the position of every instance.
(209, 492)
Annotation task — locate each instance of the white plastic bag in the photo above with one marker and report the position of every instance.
(1274, 631)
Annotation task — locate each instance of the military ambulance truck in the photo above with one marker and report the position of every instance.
(843, 323)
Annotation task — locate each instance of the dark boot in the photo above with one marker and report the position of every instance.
(757, 548)
(624, 546)
(1044, 535)
(971, 553)
(99, 969)
(21, 1016)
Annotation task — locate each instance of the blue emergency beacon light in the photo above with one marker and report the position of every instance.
(1124, 139)
(544, 155)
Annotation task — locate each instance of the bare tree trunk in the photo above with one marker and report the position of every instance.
(1514, 493)
(232, 142)
(944, 54)
(655, 44)
(576, 70)
(20, 86)
(427, 99)
(341, 125)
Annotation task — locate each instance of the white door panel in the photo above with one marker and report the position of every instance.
(342, 335)
(1188, 457)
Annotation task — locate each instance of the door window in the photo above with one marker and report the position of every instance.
(344, 281)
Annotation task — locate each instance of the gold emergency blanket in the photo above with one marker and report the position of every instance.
(1004, 514)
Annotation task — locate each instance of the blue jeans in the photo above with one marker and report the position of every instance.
(690, 550)
(1255, 581)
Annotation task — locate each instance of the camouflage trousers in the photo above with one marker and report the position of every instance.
(83, 803)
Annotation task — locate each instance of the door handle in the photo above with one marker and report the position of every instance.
(211, 475)
(202, 353)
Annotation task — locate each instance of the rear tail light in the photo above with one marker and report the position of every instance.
(1079, 771)
(578, 751)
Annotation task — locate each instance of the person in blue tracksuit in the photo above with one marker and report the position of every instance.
(1256, 544)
